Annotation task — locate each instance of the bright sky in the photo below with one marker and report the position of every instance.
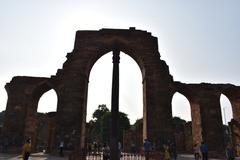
(199, 40)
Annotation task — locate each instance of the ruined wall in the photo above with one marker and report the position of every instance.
(71, 86)
(20, 119)
(204, 99)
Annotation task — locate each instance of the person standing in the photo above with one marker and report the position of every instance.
(26, 149)
(174, 150)
(133, 149)
(61, 145)
(147, 148)
(166, 152)
(119, 149)
(106, 152)
(230, 152)
(196, 151)
(204, 151)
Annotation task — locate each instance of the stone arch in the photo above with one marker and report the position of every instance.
(232, 93)
(101, 45)
(71, 86)
(21, 106)
(182, 96)
(143, 48)
(124, 49)
(191, 95)
(39, 90)
(182, 130)
(47, 102)
(127, 66)
(32, 122)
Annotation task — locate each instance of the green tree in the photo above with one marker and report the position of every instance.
(102, 109)
(101, 124)
(124, 125)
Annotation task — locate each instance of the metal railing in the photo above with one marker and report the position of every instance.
(124, 156)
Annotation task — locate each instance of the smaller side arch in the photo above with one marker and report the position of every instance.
(19, 106)
(182, 123)
(232, 93)
(188, 91)
(32, 122)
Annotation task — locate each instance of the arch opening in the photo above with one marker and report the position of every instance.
(182, 122)
(46, 114)
(227, 116)
(226, 109)
(47, 102)
(100, 80)
(130, 93)
(181, 107)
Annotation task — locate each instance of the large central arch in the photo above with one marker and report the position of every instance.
(143, 48)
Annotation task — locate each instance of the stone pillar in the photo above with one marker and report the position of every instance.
(157, 116)
(211, 120)
(51, 133)
(196, 122)
(235, 123)
(71, 114)
(19, 107)
(31, 123)
(235, 102)
(14, 121)
(114, 153)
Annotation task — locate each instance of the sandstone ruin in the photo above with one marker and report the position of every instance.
(71, 86)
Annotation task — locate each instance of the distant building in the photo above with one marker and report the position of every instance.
(182, 134)
(133, 137)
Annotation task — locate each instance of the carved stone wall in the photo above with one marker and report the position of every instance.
(71, 86)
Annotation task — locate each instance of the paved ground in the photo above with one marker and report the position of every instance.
(40, 156)
(37, 156)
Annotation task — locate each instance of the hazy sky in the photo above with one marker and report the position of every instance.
(199, 40)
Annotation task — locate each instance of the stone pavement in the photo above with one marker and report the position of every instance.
(191, 157)
(36, 156)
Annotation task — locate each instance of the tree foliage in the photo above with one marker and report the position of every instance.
(102, 109)
(101, 124)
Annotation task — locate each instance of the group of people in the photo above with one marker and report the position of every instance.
(96, 148)
(230, 152)
(202, 152)
(106, 152)
(168, 152)
(26, 149)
